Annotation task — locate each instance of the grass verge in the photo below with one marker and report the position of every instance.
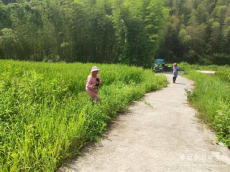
(46, 115)
(211, 97)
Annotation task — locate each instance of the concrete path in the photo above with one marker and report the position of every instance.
(158, 134)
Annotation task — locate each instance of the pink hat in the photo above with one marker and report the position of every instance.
(95, 69)
(174, 64)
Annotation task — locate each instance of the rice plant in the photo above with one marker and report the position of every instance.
(46, 115)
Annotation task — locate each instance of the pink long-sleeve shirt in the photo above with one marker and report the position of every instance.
(90, 83)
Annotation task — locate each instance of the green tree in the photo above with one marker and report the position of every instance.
(215, 37)
(201, 14)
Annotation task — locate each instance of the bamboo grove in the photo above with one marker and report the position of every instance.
(132, 32)
(111, 31)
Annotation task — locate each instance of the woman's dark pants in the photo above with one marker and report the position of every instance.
(174, 79)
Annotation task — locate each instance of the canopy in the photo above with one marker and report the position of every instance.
(160, 60)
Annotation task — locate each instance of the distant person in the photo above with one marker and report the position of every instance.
(175, 71)
(92, 84)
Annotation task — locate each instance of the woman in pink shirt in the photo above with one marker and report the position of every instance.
(92, 83)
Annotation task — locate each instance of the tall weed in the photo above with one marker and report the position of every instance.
(211, 97)
(46, 115)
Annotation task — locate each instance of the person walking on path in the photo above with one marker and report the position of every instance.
(175, 71)
(92, 84)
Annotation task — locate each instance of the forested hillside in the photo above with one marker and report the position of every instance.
(126, 31)
(197, 31)
(133, 32)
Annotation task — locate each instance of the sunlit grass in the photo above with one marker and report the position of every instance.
(46, 115)
(211, 97)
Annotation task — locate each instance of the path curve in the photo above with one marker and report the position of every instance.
(158, 134)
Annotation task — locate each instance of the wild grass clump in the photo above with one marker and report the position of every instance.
(223, 75)
(211, 97)
(46, 115)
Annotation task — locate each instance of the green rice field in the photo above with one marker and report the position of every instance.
(46, 116)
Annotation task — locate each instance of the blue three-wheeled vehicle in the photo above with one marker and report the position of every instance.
(159, 66)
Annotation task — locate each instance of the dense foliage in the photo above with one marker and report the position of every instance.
(132, 32)
(197, 31)
(46, 115)
(111, 31)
